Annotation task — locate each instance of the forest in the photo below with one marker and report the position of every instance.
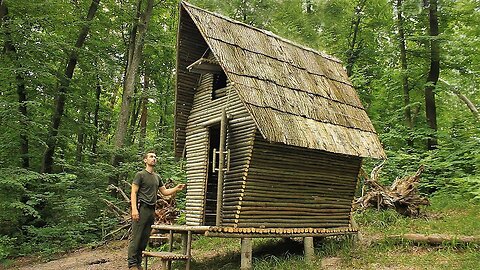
(86, 86)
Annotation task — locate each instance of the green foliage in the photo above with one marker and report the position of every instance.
(62, 210)
(7, 245)
(48, 213)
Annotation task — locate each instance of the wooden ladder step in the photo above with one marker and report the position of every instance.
(166, 256)
(159, 237)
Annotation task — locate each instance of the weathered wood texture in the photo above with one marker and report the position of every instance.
(402, 195)
(240, 134)
(296, 95)
(188, 51)
(231, 232)
(296, 187)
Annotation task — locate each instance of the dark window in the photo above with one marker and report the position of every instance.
(219, 84)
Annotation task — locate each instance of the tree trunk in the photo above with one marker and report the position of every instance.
(11, 52)
(404, 69)
(134, 112)
(354, 46)
(95, 116)
(433, 74)
(143, 117)
(471, 106)
(47, 161)
(81, 131)
(134, 58)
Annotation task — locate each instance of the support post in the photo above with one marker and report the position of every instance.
(308, 249)
(170, 248)
(246, 254)
(221, 165)
(189, 250)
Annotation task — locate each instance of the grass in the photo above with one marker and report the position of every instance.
(453, 215)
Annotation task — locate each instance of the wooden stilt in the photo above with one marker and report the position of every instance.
(308, 249)
(170, 248)
(246, 254)
(188, 251)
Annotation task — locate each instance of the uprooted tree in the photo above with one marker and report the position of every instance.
(402, 195)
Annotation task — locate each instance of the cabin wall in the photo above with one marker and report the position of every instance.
(292, 187)
(240, 135)
(190, 47)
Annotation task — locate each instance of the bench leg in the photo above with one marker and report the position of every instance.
(146, 263)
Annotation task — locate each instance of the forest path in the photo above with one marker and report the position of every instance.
(107, 257)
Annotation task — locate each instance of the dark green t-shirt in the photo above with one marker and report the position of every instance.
(148, 184)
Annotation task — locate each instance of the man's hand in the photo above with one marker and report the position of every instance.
(135, 215)
(180, 187)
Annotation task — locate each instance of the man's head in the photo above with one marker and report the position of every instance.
(150, 158)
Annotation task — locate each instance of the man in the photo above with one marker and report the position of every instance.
(143, 199)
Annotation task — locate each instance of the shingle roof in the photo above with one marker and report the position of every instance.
(296, 95)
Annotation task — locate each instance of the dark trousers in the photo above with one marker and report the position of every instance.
(140, 234)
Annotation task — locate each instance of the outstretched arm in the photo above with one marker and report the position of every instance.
(169, 191)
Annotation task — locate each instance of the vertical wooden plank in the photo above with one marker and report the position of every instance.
(246, 254)
(308, 249)
(221, 165)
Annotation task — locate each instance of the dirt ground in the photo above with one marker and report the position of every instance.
(108, 257)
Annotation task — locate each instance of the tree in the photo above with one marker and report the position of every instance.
(404, 68)
(433, 74)
(355, 44)
(137, 37)
(11, 52)
(64, 83)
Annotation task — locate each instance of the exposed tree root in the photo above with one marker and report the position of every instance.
(402, 195)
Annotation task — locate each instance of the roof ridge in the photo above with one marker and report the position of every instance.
(266, 32)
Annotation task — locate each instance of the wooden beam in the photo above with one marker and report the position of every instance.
(246, 254)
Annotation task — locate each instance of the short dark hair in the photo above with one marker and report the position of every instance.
(145, 154)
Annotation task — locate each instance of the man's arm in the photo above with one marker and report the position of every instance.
(169, 191)
(133, 201)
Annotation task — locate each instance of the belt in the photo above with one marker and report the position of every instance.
(147, 205)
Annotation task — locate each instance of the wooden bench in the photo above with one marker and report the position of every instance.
(164, 257)
(167, 257)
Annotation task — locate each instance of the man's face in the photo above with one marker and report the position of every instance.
(151, 159)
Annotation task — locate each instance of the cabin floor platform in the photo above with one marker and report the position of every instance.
(233, 232)
(246, 235)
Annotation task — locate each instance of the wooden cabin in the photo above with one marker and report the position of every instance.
(273, 132)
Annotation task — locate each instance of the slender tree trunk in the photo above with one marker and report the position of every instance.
(433, 74)
(98, 92)
(467, 102)
(134, 112)
(143, 117)
(404, 69)
(11, 52)
(47, 161)
(134, 58)
(354, 45)
(471, 106)
(81, 131)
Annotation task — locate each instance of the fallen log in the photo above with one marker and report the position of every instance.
(435, 239)
(402, 195)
